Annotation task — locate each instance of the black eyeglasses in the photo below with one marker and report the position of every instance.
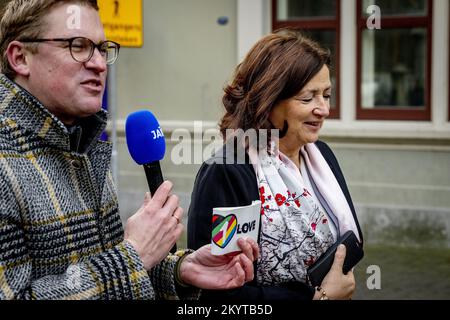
(82, 49)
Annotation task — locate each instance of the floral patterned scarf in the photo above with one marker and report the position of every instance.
(294, 229)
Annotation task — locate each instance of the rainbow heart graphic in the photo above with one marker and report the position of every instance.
(224, 229)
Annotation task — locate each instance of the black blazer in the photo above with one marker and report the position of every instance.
(231, 185)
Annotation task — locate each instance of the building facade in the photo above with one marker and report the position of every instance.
(390, 122)
(390, 119)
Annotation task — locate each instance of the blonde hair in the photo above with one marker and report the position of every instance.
(24, 19)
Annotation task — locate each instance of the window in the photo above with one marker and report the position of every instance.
(320, 20)
(394, 62)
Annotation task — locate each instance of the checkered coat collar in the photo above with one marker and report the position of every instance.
(22, 110)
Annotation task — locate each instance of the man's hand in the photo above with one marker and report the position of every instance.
(204, 270)
(155, 228)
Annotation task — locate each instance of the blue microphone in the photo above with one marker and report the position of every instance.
(146, 145)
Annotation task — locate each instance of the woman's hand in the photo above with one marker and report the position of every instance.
(338, 286)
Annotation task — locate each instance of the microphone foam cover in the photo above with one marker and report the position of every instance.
(145, 138)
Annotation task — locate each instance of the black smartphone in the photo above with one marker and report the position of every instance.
(354, 254)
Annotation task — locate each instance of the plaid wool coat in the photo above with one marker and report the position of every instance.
(61, 235)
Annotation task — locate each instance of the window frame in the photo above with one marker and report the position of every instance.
(391, 22)
(318, 24)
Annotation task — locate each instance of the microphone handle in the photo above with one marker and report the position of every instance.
(155, 179)
(154, 176)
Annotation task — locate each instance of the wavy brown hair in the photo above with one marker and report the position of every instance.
(276, 68)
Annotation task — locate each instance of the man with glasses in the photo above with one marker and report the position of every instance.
(60, 232)
(82, 49)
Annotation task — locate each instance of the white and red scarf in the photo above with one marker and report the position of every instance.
(294, 229)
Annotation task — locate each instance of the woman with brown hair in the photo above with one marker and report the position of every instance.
(283, 83)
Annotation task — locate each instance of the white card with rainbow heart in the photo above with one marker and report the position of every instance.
(232, 223)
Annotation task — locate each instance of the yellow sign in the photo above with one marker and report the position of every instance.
(122, 20)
